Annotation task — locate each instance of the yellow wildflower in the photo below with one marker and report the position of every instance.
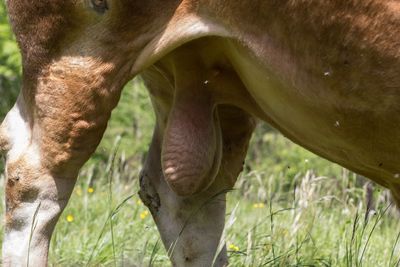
(232, 247)
(70, 218)
(90, 190)
(259, 205)
(144, 214)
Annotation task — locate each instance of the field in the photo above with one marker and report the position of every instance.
(306, 225)
(288, 208)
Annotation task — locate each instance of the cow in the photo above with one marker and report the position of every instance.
(325, 73)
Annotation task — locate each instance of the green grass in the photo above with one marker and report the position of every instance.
(313, 224)
(314, 221)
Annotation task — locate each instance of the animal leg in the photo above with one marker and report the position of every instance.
(33, 206)
(43, 158)
(35, 196)
(191, 226)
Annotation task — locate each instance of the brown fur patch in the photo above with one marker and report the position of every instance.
(19, 185)
(40, 27)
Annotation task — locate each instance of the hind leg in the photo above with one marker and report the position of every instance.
(191, 226)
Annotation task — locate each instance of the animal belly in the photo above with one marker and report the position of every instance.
(316, 118)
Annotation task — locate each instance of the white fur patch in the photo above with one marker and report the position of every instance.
(28, 237)
(19, 135)
(17, 132)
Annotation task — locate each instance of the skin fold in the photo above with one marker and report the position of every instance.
(325, 73)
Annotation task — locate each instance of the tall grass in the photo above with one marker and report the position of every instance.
(312, 222)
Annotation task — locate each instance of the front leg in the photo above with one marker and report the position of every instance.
(33, 207)
(35, 194)
(47, 137)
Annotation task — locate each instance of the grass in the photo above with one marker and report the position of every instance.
(302, 227)
(315, 223)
